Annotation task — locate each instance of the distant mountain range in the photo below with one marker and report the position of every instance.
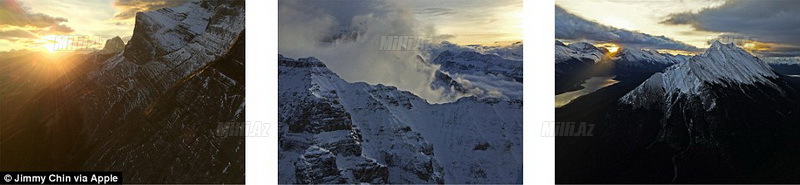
(581, 60)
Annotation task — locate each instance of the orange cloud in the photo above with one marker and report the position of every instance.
(127, 9)
(13, 14)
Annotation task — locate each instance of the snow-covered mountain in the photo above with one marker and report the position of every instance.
(333, 131)
(579, 61)
(723, 116)
(639, 57)
(509, 52)
(469, 73)
(581, 51)
(722, 64)
(156, 104)
(785, 65)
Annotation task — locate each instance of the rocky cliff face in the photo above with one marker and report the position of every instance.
(156, 104)
(335, 131)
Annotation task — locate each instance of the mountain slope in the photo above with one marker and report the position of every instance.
(396, 136)
(721, 64)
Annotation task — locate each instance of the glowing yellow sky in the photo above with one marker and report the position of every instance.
(91, 18)
(476, 22)
(644, 16)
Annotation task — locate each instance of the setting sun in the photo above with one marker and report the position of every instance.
(611, 47)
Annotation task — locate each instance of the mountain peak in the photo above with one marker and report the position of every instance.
(719, 47)
(113, 45)
(209, 25)
(722, 64)
(717, 44)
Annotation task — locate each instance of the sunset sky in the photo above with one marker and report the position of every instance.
(29, 24)
(473, 22)
(767, 28)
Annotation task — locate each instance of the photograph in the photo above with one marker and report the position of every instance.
(677, 92)
(150, 90)
(400, 92)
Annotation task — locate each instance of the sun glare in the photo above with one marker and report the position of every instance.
(611, 47)
(53, 43)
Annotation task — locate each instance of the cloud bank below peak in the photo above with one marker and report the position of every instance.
(572, 27)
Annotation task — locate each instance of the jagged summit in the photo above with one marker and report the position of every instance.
(206, 25)
(721, 64)
(727, 62)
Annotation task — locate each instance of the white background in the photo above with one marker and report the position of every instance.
(262, 91)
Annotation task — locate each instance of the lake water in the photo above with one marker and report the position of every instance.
(589, 86)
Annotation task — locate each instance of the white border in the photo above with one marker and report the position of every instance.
(538, 87)
(262, 84)
(261, 91)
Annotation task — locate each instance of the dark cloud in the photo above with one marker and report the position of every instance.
(127, 9)
(12, 14)
(571, 27)
(780, 51)
(775, 21)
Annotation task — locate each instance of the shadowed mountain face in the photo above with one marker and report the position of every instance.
(723, 116)
(152, 110)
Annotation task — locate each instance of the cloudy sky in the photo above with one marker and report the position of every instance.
(344, 34)
(26, 24)
(767, 28)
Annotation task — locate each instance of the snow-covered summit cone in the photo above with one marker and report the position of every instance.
(722, 64)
